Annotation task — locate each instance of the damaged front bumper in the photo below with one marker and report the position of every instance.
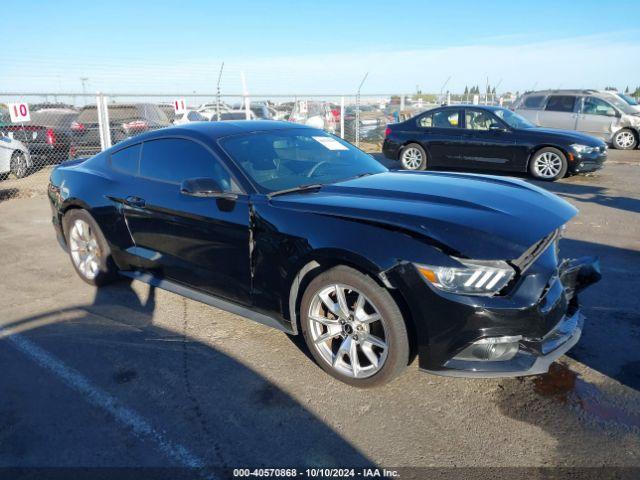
(509, 336)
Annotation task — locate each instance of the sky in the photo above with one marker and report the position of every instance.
(321, 47)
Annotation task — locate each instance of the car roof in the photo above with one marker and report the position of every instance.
(470, 105)
(211, 131)
(575, 91)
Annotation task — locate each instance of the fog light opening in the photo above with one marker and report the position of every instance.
(494, 349)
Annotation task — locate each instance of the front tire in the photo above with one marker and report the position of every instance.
(413, 157)
(548, 164)
(353, 328)
(88, 248)
(19, 166)
(625, 139)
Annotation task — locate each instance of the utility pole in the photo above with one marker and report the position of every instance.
(218, 93)
(245, 93)
(358, 110)
(84, 81)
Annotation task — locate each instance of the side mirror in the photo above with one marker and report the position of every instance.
(205, 187)
(496, 127)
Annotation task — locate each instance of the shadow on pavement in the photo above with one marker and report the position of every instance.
(199, 396)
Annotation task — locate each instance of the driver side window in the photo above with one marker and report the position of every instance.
(596, 106)
(479, 120)
(173, 160)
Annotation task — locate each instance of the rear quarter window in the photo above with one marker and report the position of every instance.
(126, 160)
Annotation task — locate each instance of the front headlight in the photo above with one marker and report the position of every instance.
(578, 148)
(476, 277)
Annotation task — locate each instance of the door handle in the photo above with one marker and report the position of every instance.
(134, 201)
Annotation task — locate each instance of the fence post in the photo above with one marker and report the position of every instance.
(342, 117)
(103, 121)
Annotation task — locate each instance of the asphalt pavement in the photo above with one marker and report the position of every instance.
(131, 376)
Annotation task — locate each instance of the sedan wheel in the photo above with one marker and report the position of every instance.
(413, 157)
(548, 164)
(19, 165)
(347, 331)
(354, 328)
(625, 140)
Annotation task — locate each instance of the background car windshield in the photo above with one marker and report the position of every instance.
(292, 157)
(513, 119)
(628, 99)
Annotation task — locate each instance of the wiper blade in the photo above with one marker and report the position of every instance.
(299, 188)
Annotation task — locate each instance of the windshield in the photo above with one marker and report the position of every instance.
(513, 119)
(615, 100)
(289, 158)
(628, 99)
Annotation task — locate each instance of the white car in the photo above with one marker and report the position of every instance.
(14, 158)
(189, 116)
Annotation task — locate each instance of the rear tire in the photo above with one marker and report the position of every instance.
(625, 139)
(413, 157)
(88, 248)
(367, 324)
(548, 164)
(19, 166)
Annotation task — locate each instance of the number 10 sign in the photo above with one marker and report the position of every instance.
(180, 106)
(19, 112)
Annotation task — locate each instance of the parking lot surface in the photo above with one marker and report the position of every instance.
(128, 375)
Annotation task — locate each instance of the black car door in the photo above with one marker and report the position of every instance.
(487, 142)
(439, 134)
(202, 242)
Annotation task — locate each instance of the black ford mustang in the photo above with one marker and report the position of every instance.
(490, 138)
(299, 230)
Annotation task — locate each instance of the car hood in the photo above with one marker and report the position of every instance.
(568, 135)
(475, 216)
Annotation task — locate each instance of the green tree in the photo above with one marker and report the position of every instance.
(626, 90)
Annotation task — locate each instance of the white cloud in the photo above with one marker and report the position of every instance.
(590, 61)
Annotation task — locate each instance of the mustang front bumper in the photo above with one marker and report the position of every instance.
(534, 325)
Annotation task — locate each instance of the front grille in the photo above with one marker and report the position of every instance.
(524, 261)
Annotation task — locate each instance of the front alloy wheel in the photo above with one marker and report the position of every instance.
(347, 331)
(625, 140)
(354, 328)
(19, 166)
(548, 164)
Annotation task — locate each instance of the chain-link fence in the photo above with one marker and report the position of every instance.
(40, 130)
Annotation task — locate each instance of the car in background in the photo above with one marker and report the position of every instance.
(189, 116)
(260, 110)
(234, 115)
(125, 120)
(628, 99)
(268, 220)
(169, 110)
(46, 135)
(14, 158)
(490, 138)
(602, 115)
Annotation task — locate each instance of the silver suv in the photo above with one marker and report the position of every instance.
(592, 112)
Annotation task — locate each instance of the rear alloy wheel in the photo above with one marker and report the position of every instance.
(19, 166)
(548, 164)
(354, 328)
(413, 157)
(625, 139)
(88, 249)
